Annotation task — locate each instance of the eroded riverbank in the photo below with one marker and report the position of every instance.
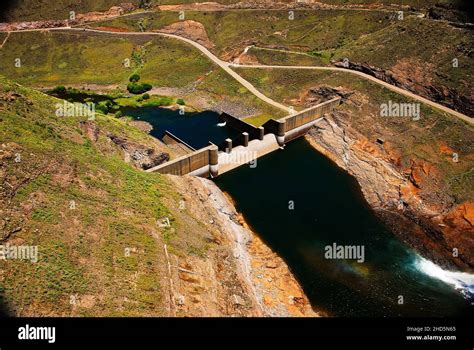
(239, 274)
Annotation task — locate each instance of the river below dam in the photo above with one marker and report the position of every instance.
(299, 202)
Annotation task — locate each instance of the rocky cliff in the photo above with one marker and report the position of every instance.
(239, 274)
(407, 198)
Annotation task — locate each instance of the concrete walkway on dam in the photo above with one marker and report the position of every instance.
(241, 155)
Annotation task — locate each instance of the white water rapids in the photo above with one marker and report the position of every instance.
(462, 281)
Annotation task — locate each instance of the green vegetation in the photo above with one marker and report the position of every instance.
(33, 10)
(82, 248)
(141, 101)
(138, 88)
(259, 119)
(421, 48)
(421, 139)
(60, 89)
(134, 78)
(287, 58)
(30, 10)
(98, 60)
(111, 103)
(308, 31)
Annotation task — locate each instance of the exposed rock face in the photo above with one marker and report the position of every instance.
(80, 19)
(448, 13)
(409, 199)
(142, 156)
(238, 53)
(241, 276)
(191, 30)
(323, 93)
(90, 129)
(416, 82)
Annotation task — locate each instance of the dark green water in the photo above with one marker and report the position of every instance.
(329, 208)
(196, 129)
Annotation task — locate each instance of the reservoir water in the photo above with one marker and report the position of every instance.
(196, 129)
(299, 202)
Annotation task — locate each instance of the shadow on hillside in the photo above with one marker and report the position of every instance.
(6, 6)
(4, 312)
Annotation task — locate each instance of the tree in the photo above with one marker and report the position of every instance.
(134, 78)
(144, 4)
(59, 89)
(136, 88)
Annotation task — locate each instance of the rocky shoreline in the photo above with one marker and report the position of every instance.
(255, 281)
(434, 229)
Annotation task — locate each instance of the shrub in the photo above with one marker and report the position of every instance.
(104, 106)
(59, 89)
(146, 96)
(135, 88)
(118, 114)
(180, 101)
(134, 78)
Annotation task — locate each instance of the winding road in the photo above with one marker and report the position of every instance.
(226, 66)
(373, 79)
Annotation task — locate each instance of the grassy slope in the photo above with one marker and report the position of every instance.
(421, 139)
(370, 37)
(413, 3)
(388, 45)
(29, 10)
(82, 250)
(288, 58)
(34, 10)
(309, 30)
(50, 59)
(422, 42)
(61, 58)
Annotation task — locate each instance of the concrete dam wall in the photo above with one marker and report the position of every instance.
(252, 143)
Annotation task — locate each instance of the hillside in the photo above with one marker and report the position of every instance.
(95, 61)
(414, 53)
(69, 188)
(32, 10)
